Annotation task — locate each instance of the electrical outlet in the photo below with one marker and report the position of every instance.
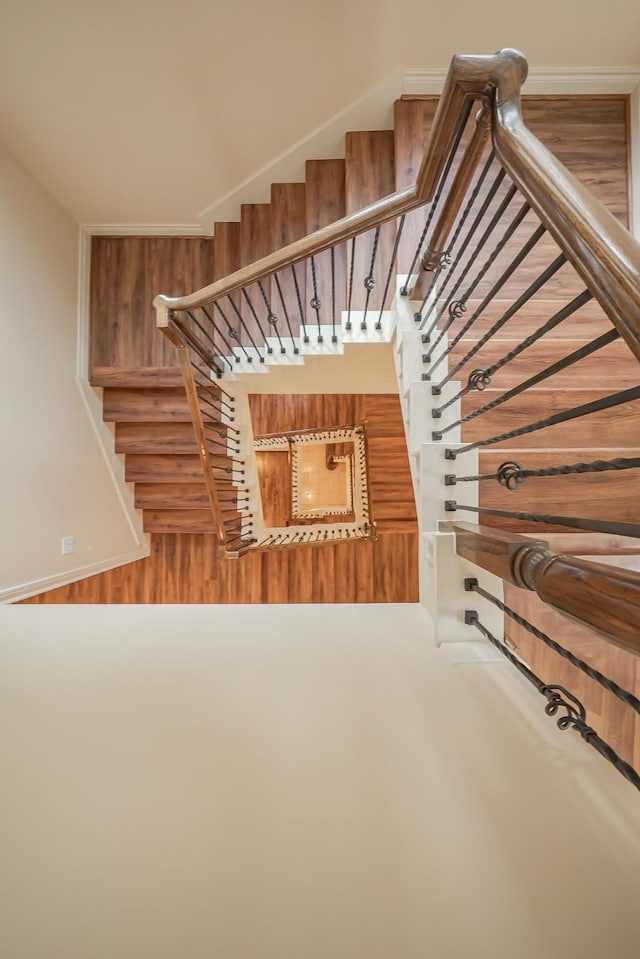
(68, 545)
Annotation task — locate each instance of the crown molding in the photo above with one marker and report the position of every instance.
(541, 80)
(142, 229)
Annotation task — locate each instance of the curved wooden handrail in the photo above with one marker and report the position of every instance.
(602, 251)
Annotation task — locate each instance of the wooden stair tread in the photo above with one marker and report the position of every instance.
(538, 357)
(227, 258)
(178, 521)
(165, 468)
(177, 495)
(142, 437)
(288, 223)
(412, 124)
(136, 377)
(585, 495)
(365, 182)
(539, 404)
(146, 405)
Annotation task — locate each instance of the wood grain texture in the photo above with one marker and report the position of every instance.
(227, 239)
(390, 487)
(369, 175)
(614, 496)
(603, 597)
(183, 568)
(538, 404)
(274, 477)
(412, 124)
(126, 274)
(288, 223)
(149, 437)
(614, 363)
(612, 719)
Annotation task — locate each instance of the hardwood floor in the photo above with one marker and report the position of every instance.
(183, 568)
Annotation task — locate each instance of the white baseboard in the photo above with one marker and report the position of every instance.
(17, 593)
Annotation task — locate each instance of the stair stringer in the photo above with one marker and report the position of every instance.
(441, 571)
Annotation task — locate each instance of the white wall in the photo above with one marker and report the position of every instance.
(54, 481)
(294, 783)
(362, 368)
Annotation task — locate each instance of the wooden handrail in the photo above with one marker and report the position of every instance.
(198, 428)
(602, 251)
(443, 131)
(604, 598)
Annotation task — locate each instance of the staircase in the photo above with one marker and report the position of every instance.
(152, 422)
(138, 371)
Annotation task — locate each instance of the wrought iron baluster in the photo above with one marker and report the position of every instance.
(624, 695)
(604, 403)
(480, 379)
(394, 256)
(370, 281)
(574, 522)
(511, 474)
(246, 328)
(459, 226)
(334, 336)
(300, 306)
(350, 287)
(515, 307)
(474, 256)
(214, 349)
(497, 286)
(272, 319)
(255, 316)
(315, 303)
(440, 188)
(286, 312)
(552, 370)
(233, 334)
(558, 698)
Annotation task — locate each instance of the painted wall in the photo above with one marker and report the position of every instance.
(97, 119)
(291, 782)
(55, 481)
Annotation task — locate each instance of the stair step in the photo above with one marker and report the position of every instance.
(412, 124)
(136, 377)
(171, 496)
(586, 324)
(146, 405)
(621, 426)
(177, 496)
(155, 438)
(585, 495)
(227, 258)
(170, 468)
(325, 203)
(178, 521)
(369, 175)
(616, 356)
(255, 242)
(288, 223)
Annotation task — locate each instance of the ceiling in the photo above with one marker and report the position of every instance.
(149, 111)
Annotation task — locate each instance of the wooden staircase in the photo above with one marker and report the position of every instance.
(143, 397)
(138, 370)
